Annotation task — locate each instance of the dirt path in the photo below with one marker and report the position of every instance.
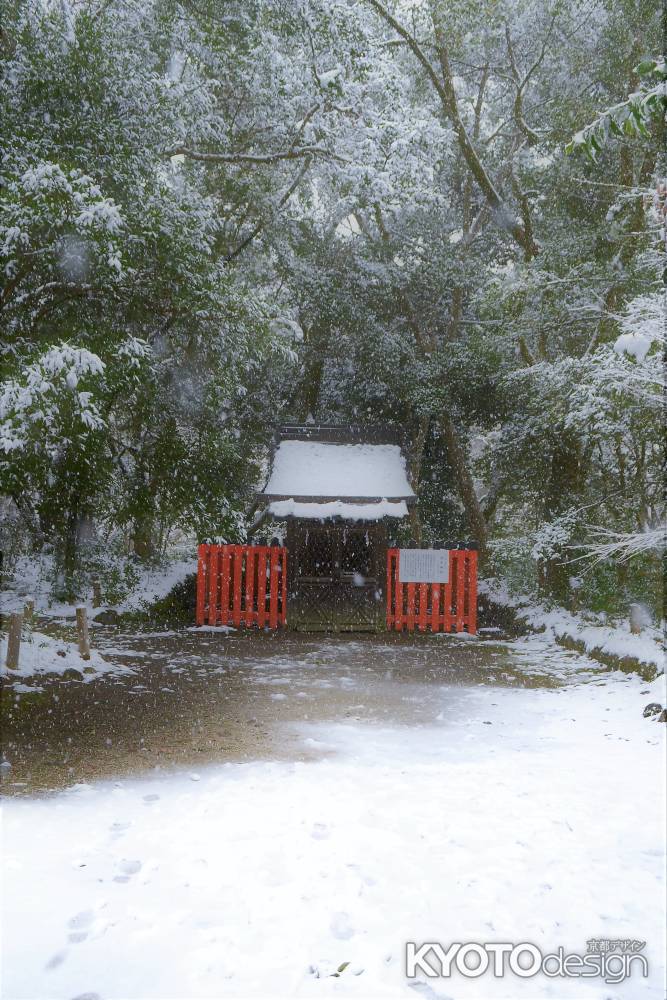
(198, 697)
(501, 791)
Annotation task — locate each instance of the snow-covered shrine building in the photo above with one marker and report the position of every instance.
(340, 493)
(339, 489)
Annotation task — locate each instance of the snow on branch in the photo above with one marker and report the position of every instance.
(258, 159)
(624, 545)
(443, 83)
(629, 118)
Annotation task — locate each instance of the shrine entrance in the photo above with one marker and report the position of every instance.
(339, 492)
(337, 576)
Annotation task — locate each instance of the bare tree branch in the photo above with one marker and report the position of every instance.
(531, 135)
(284, 198)
(526, 354)
(444, 87)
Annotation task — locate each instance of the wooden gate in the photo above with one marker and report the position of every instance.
(242, 585)
(336, 577)
(435, 607)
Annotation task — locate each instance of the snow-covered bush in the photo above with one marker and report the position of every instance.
(59, 236)
(52, 405)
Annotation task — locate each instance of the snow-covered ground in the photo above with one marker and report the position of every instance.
(33, 578)
(615, 640)
(528, 814)
(42, 654)
(594, 631)
(157, 583)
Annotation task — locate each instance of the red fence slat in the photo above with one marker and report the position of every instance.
(400, 606)
(460, 590)
(472, 591)
(249, 585)
(261, 586)
(237, 577)
(225, 564)
(447, 616)
(400, 593)
(391, 559)
(283, 604)
(212, 583)
(273, 598)
(201, 583)
(410, 587)
(423, 606)
(435, 607)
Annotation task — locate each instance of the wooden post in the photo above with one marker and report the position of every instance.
(14, 640)
(82, 632)
(29, 610)
(97, 592)
(636, 617)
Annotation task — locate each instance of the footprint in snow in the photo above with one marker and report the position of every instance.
(128, 868)
(118, 829)
(79, 925)
(341, 927)
(424, 990)
(320, 831)
(55, 960)
(150, 799)
(81, 920)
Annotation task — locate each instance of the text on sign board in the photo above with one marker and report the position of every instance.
(423, 566)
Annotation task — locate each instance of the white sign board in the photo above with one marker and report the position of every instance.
(423, 566)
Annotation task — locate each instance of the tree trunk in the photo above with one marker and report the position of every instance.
(70, 550)
(308, 393)
(143, 543)
(563, 487)
(416, 531)
(30, 519)
(465, 485)
(415, 465)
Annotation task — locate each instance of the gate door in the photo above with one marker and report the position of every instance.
(336, 577)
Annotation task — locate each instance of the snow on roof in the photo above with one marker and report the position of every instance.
(322, 469)
(338, 508)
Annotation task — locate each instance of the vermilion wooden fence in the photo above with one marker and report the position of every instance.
(435, 607)
(242, 585)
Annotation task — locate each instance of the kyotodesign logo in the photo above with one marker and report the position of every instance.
(608, 959)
